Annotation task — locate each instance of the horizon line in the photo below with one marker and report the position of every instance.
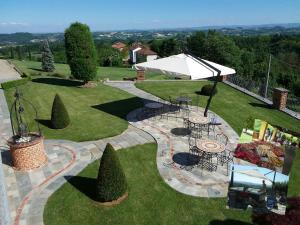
(169, 28)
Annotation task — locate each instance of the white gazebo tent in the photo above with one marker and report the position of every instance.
(183, 65)
(187, 65)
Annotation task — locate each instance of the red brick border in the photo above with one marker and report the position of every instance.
(28, 196)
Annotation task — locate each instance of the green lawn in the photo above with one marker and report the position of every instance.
(150, 201)
(230, 104)
(94, 112)
(33, 68)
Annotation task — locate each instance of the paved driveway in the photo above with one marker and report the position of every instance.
(7, 72)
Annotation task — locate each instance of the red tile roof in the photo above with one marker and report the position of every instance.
(118, 45)
(146, 51)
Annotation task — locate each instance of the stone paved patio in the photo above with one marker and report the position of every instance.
(174, 161)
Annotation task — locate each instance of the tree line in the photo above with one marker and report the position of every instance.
(248, 55)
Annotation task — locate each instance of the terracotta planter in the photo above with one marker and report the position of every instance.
(28, 155)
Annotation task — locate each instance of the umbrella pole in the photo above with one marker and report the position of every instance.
(211, 94)
(215, 83)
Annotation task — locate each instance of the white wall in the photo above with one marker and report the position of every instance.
(151, 57)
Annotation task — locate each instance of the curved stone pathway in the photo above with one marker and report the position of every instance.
(7, 71)
(28, 191)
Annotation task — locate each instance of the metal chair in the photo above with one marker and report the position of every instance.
(225, 157)
(222, 138)
(212, 121)
(172, 109)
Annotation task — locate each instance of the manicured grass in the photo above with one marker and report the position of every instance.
(294, 178)
(150, 201)
(232, 105)
(94, 112)
(33, 68)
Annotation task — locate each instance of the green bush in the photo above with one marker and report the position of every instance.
(207, 89)
(14, 83)
(111, 181)
(81, 52)
(59, 116)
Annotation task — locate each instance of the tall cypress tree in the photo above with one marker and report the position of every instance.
(47, 58)
(19, 52)
(12, 53)
(29, 53)
(81, 52)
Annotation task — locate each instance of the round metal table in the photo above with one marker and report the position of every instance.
(210, 149)
(210, 146)
(198, 119)
(181, 100)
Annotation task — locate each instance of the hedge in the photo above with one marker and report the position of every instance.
(14, 83)
(207, 89)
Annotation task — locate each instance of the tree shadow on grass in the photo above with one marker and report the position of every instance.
(260, 105)
(228, 222)
(85, 185)
(120, 108)
(58, 82)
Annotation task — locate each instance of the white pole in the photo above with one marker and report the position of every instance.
(268, 75)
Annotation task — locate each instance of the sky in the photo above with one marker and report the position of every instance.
(56, 15)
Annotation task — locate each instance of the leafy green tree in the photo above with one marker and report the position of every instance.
(108, 56)
(111, 181)
(59, 116)
(196, 44)
(248, 61)
(80, 52)
(12, 53)
(47, 58)
(168, 47)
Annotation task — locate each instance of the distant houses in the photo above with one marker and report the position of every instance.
(137, 52)
(119, 46)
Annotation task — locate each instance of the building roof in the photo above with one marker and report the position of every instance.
(146, 51)
(118, 45)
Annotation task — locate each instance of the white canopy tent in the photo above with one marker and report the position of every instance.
(184, 65)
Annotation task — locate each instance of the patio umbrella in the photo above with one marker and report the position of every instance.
(187, 65)
(183, 65)
(255, 174)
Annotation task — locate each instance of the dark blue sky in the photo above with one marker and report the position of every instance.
(56, 15)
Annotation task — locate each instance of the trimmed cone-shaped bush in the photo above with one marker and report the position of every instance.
(59, 116)
(111, 181)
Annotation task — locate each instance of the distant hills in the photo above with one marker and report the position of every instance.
(239, 30)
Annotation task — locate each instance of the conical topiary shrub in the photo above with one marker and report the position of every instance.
(111, 181)
(59, 116)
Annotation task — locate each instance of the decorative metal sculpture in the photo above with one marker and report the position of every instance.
(20, 128)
